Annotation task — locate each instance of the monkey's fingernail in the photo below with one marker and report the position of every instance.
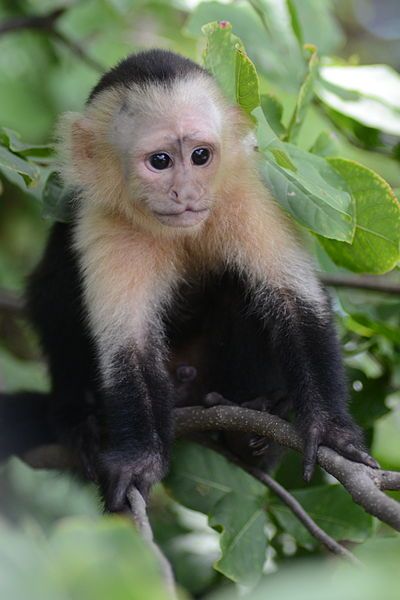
(308, 473)
(373, 463)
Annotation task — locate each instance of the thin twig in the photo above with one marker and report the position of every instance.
(138, 514)
(48, 24)
(13, 303)
(77, 49)
(362, 282)
(287, 498)
(10, 302)
(39, 22)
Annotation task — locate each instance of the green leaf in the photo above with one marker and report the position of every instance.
(317, 24)
(326, 144)
(22, 173)
(368, 404)
(12, 140)
(227, 60)
(306, 94)
(205, 481)
(376, 244)
(243, 540)
(369, 94)
(307, 186)
(332, 509)
(273, 111)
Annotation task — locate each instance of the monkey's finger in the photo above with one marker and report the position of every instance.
(310, 453)
(259, 445)
(215, 399)
(350, 451)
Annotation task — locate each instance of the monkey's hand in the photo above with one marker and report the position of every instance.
(340, 434)
(118, 470)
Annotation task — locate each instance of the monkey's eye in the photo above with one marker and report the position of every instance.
(200, 156)
(160, 161)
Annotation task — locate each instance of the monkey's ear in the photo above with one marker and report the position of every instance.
(76, 148)
(82, 140)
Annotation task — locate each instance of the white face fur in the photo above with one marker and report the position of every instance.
(169, 141)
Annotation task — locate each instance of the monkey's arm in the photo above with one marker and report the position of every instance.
(125, 285)
(309, 353)
(287, 298)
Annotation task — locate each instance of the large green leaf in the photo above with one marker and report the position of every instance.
(226, 59)
(306, 185)
(376, 244)
(369, 94)
(203, 480)
(332, 509)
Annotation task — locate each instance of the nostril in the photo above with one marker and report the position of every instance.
(174, 194)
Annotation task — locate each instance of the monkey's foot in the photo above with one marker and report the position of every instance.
(344, 437)
(117, 471)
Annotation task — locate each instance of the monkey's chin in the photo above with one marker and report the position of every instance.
(188, 218)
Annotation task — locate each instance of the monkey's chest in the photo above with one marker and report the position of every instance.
(212, 329)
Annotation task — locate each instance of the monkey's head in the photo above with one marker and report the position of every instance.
(154, 141)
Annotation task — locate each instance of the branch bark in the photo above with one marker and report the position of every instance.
(365, 485)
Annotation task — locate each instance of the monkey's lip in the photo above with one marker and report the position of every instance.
(182, 212)
(188, 217)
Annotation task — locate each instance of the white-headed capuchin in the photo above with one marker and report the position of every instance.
(174, 244)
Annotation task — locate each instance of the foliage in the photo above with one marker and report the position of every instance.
(328, 135)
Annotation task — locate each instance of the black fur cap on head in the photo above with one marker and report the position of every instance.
(158, 66)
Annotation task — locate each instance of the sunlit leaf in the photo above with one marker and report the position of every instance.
(369, 94)
(226, 59)
(376, 244)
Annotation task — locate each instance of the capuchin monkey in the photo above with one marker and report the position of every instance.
(175, 254)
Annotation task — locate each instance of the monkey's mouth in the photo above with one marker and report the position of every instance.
(188, 217)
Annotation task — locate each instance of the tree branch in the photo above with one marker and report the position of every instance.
(371, 283)
(48, 24)
(10, 302)
(287, 498)
(364, 484)
(13, 302)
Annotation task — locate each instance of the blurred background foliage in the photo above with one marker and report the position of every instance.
(53, 543)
